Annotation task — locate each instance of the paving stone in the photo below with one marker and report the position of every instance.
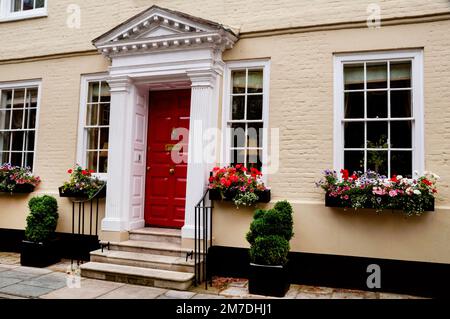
(347, 295)
(239, 284)
(5, 281)
(315, 290)
(208, 296)
(179, 294)
(292, 293)
(6, 267)
(234, 292)
(20, 275)
(6, 296)
(25, 290)
(134, 292)
(307, 295)
(89, 289)
(52, 281)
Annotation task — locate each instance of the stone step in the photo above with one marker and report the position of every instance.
(154, 234)
(148, 247)
(138, 276)
(143, 260)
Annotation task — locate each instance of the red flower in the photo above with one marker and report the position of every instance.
(354, 177)
(345, 174)
(84, 172)
(238, 166)
(427, 182)
(70, 171)
(91, 171)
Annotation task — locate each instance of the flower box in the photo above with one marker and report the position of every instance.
(80, 194)
(21, 189)
(337, 202)
(214, 194)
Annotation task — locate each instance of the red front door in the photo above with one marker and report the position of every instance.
(166, 179)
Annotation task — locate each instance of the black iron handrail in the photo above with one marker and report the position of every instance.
(203, 239)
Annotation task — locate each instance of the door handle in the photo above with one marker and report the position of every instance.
(172, 171)
(148, 168)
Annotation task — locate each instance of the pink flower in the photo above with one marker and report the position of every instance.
(379, 191)
(393, 193)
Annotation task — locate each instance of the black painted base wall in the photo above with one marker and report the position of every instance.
(405, 277)
(68, 246)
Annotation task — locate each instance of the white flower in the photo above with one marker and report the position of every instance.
(417, 192)
(399, 177)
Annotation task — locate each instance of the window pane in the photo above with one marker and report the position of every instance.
(104, 114)
(29, 141)
(92, 137)
(401, 134)
(92, 160)
(401, 104)
(238, 81)
(237, 157)
(28, 5)
(6, 99)
(19, 99)
(401, 74)
(17, 120)
(377, 75)
(17, 141)
(16, 159)
(254, 107)
(103, 162)
(354, 76)
(254, 134)
(401, 163)
(377, 161)
(29, 159)
(104, 136)
(255, 81)
(354, 105)
(354, 134)
(377, 104)
(40, 3)
(30, 119)
(93, 95)
(17, 5)
(31, 100)
(91, 115)
(238, 135)
(254, 159)
(105, 95)
(5, 141)
(377, 134)
(5, 117)
(238, 107)
(354, 161)
(4, 157)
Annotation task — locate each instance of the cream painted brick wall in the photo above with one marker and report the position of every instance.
(51, 35)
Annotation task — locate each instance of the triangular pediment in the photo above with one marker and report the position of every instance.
(163, 29)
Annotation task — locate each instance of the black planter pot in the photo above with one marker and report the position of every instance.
(39, 254)
(268, 280)
(214, 194)
(22, 189)
(80, 194)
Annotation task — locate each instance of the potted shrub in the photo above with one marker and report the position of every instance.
(238, 184)
(82, 184)
(269, 236)
(17, 180)
(413, 196)
(39, 247)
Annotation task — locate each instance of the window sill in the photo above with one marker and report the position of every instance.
(24, 16)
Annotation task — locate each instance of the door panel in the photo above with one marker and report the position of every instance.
(166, 181)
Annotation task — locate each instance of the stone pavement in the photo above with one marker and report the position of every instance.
(54, 282)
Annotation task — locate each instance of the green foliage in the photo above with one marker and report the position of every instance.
(270, 250)
(245, 199)
(42, 220)
(270, 233)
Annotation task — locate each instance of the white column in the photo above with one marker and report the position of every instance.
(204, 102)
(116, 215)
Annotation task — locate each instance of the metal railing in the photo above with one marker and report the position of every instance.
(203, 239)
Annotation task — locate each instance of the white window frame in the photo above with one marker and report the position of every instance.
(23, 85)
(6, 13)
(82, 134)
(226, 109)
(416, 56)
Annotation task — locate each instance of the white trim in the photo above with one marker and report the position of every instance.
(7, 15)
(82, 137)
(416, 56)
(226, 109)
(28, 84)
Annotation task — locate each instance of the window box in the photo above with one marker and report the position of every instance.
(214, 194)
(22, 189)
(80, 194)
(337, 202)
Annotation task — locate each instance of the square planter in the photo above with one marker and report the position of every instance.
(336, 202)
(214, 194)
(268, 280)
(79, 194)
(39, 254)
